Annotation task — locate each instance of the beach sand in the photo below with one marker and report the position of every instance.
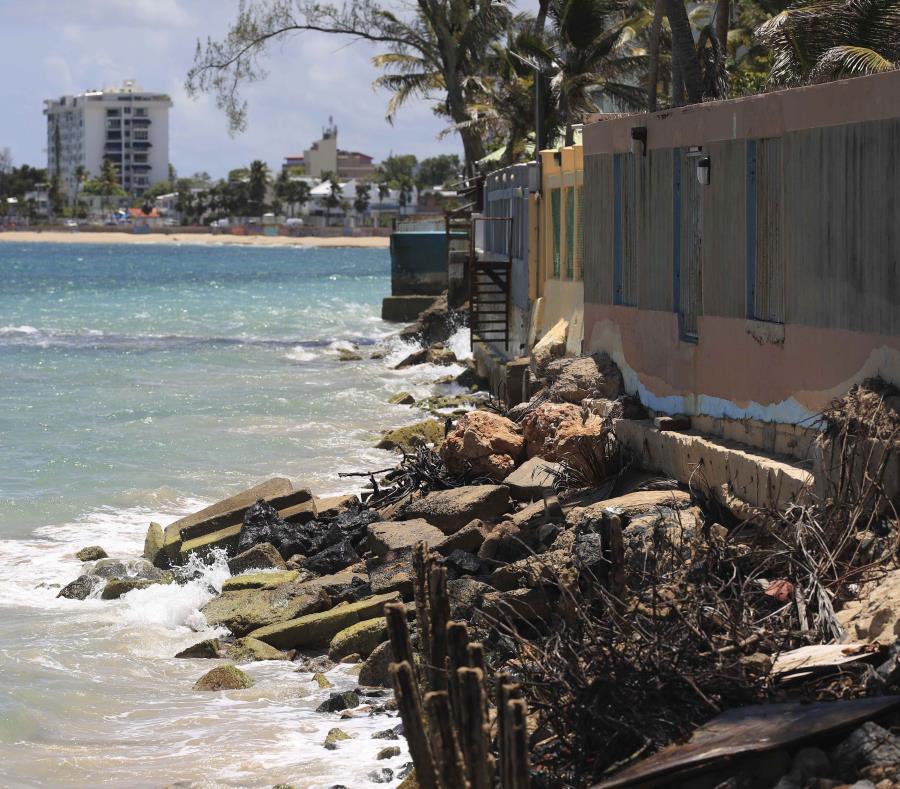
(87, 237)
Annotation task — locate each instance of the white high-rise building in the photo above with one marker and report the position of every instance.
(126, 125)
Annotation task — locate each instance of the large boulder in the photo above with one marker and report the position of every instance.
(574, 380)
(359, 639)
(551, 346)
(250, 650)
(532, 479)
(318, 629)
(80, 588)
(219, 525)
(260, 580)
(387, 536)
(154, 542)
(875, 615)
(331, 559)
(452, 509)
(564, 432)
(410, 437)
(116, 587)
(263, 556)
(208, 649)
(245, 610)
(262, 523)
(630, 505)
(224, 678)
(91, 554)
(483, 444)
(392, 573)
(375, 670)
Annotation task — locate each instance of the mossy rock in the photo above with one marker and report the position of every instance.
(335, 736)
(402, 398)
(388, 753)
(318, 629)
(154, 542)
(410, 437)
(91, 554)
(259, 580)
(210, 648)
(457, 403)
(409, 782)
(224, 678)
(321, 680)
(116, 587)
(359, 639)
(247, 650)
(346, 355)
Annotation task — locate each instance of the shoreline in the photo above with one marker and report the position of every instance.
(202, 239)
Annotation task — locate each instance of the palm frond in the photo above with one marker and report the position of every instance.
(849, 61)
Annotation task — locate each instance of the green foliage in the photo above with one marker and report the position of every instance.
(825, 40)
(432, 50)
(438, 170)
(363, 194)
(55, 195)
(395, 169)
(16, 181)
(258, 182)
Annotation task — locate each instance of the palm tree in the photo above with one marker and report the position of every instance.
(433, 52)
(257, 185)
(109, 181)
(333, 198)
(384, 190)
(81, 175)
(832, 39)
(588, 55)
(361, 203)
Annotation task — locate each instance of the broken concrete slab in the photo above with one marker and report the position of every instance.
(243, 610)
(631, 505)
(318, 629)
(452, 509)
(759, 479)
(223, 515)
(530, 480)
(386, 536)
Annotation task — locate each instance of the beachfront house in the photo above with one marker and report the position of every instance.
(737, 259)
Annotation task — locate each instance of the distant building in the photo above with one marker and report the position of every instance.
(323, 156)
(126, 125)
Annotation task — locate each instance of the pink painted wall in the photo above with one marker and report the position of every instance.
(732, 371)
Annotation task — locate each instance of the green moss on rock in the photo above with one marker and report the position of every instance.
(408, 438)
(224, 678)
(359, 639)
(259, 580)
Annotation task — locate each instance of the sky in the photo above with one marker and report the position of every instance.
(49, 48)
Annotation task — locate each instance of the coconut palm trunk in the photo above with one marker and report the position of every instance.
(684, 53)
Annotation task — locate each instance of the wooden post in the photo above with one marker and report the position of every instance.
(475, 737)
(422, 567)
(517, 744)
(503, 681)
(410, 708)
(440, 613)
(443, 741)
(457, 658)
(398, 632)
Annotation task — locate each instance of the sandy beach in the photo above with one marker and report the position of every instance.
(88, 237)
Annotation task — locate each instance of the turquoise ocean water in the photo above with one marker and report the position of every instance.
(137, 383)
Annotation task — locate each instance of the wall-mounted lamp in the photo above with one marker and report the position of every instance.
(639, 135)
(557, 156)
(703, 168)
